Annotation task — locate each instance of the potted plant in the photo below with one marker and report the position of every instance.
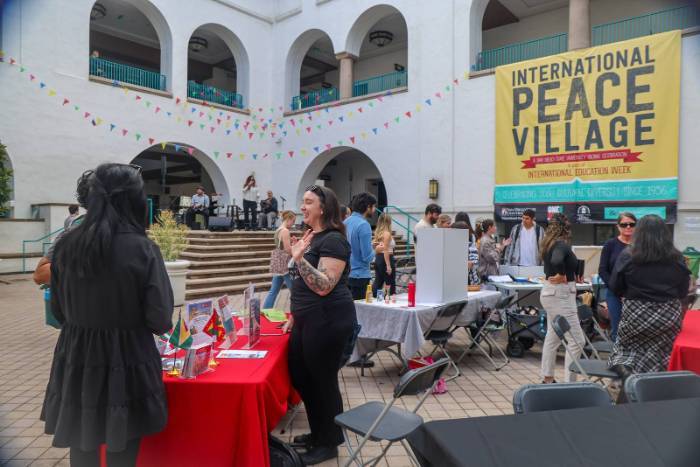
(171, 238)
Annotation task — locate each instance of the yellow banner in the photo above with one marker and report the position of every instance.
(603, 114)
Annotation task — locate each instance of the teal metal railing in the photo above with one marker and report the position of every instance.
(316, 97)
(126, 74)
(213, 94)
(513, 53)
(149, 201)
(381, 83)
(404, 226)
(44, 244)
(653, 23)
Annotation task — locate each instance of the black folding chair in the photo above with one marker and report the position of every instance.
(441, 330)
(669, 385)
(543, 397)
(591, 369)
(480, 332)
(605, 345)
(376, 421)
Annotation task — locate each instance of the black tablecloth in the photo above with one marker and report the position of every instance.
(650, 434)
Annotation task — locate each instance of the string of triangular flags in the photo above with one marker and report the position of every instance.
(309, 150)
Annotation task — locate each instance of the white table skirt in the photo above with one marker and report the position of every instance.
(384, 325)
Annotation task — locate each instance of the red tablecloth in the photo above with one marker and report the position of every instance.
(223, 418)
(686, 348)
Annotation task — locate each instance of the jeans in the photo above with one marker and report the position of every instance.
(560, 299)
(250, 214)
(275, 289)
(614, 312)
(268, 218)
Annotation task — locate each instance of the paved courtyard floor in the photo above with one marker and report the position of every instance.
(27, 348)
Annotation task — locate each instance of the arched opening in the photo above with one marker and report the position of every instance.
(130, 42)
(505, 31)
(347, 172)
(379, 40)
(312, 71)
(217, 66)
(172, 172)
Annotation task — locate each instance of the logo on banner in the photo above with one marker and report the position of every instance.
(583, 214)
(552, 210)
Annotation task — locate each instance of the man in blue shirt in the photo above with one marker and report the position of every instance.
(200, 205)
(359, 235)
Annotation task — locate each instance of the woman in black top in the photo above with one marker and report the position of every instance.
(558, 295)
(111, 293)
(322, 323)
(652, 279)
(608, 257)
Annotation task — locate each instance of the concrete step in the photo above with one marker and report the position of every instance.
(230, 241)
(218, 272)
(225, 255)
(232, 247)
(229, 263)
(193, 284)
(212, 292)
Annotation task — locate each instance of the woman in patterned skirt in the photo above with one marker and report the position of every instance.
(652, 279)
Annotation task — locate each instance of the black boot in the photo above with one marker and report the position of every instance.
(318, 454)
(303, 441)
(624, 372)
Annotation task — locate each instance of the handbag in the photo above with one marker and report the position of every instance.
(279, 259)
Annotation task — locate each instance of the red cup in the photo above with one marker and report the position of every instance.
(411, 294)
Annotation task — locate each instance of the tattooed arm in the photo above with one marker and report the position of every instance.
(324, 278)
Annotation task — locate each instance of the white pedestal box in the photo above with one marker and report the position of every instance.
(441, 265)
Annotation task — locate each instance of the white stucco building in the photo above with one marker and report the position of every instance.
(63, 112)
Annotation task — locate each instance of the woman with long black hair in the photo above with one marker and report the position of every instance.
(111, 293)
(652, 279)
(323, 320)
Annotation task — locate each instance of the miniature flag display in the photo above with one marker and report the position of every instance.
(181, 336)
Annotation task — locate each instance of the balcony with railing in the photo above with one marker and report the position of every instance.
(381, 83)
(653, 23)
(215, 95)
(514, 53)
(661, 21)
(115, 71)
(315, 97)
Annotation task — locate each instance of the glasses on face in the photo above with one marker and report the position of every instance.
(627, 225)
(317, 191)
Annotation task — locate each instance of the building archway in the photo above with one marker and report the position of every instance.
(130, 42)
(217, 66)
(379, 40)
(311, 71)
(347, 171)
(176, 170)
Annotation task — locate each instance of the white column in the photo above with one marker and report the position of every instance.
(347, 62)
(579, 24)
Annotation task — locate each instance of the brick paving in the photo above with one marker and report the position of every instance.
(27, 348)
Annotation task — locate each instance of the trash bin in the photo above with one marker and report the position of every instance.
(692, 258)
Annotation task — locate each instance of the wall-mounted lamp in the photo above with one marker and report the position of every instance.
(433, 188)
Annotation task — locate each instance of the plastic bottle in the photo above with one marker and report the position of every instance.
(368, 294)
(411, 294)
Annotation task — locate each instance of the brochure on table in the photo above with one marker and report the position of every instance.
(223, 307)
(251, 317)
(196, 360)
(441, 265)
(197, 315)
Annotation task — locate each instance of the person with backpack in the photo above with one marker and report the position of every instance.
(523, 243)
(279, 259)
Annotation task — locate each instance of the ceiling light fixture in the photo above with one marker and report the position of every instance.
(197, 44)
(381, 38)
(98, 11)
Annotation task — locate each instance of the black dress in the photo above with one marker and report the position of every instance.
(106, 379)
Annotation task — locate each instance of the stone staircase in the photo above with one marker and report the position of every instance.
(226, 262)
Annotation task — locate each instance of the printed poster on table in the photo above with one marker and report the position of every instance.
(590, 132)
(223, 307)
